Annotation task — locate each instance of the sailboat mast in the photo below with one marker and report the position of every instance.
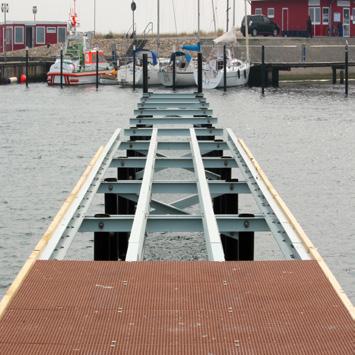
(227, 26)
(246, 24)
(233, 13)
(214, 17)
(158, 26)
(198, 19)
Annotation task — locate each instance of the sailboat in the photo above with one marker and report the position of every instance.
(237, 71)
(184, 67)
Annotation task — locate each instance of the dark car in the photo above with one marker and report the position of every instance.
(260, 25)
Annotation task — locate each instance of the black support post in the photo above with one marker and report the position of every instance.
(199, 72)
(224, 68)
(97, 70)
(275, 77)
(263, 70)
(61, 68)
(334, 74)
(346, 70)
(174, 71)
(145, 74)
(27, 64)
(246, 243)
(101, 243)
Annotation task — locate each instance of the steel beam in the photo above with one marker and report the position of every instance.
(286, 237)
(176, 163)
(136, 239)
(175, 224)
(173, 132)
(172, 105)
(176, 112)
(175, 120)
(210, 227)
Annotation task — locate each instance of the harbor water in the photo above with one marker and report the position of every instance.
(302, 136)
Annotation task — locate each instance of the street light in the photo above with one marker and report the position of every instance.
(4, 10)
(34, 10)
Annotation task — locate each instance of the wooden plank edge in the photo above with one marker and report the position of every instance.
(301, 233)
(16, 284)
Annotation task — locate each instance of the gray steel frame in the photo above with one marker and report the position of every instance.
(155, 111)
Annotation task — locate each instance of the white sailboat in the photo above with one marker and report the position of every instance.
(125, 72)
(237, 71)
(184, 68)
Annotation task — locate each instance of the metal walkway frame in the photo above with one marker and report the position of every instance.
(148, 147)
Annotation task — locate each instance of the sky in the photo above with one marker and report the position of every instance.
(116, 15)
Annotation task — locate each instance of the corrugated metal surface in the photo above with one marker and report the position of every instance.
(282, 307)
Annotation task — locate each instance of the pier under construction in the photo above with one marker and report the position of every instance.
(174, 171)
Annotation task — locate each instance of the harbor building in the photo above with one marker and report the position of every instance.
(328, 17)
(19, 35)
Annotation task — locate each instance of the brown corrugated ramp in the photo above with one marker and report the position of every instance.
(272, 307)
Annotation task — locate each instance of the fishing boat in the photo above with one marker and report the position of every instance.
(78, 65)
(126, 72)
(237, 70)
(184, 67)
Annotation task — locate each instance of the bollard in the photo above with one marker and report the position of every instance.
(262, 70)
(224, 68)
(199, 72)
(334, 74)
(27, 63)
(97, 69)
(174, 71)
(303, 53)
(346, 70)
(246, 242)
(61, 68)
(134, 68)
(145, 74)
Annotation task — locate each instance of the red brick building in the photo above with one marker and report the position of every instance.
(329, 17)
(18, 35)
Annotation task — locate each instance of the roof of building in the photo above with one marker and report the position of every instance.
(34, 23)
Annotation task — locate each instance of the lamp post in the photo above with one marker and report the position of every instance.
(34, 11)
(4, 10)
(133, 8)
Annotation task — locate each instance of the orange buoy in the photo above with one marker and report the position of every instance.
(22, 78)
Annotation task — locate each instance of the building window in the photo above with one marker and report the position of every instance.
(258, 11)
(19, 35)
(325, 15)
(62, 31)
(51, 30)
(8, 35)
(40, 35)
(314, 14)
(270, 12)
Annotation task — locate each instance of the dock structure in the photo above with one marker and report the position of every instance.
(228, 304)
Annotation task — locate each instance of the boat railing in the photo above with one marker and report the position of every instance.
(148, 29)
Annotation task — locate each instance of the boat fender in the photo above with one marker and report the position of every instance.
(23, 78)
(238, 74)
(13, 80)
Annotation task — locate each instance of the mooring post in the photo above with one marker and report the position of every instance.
(303, 53)
(346, 69)
(199, 72)
(174, 71)
(224, 68)
(246, 242)
(334, 74)
(97, 69)
(263, 69)
(27, 60)
(61, 68)
(145, 74)
(134, 68)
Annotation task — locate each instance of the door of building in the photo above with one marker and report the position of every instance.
(284, 24)
(346, 22)
(9, 42)
(29, 36)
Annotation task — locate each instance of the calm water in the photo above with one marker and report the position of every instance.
(303, 137)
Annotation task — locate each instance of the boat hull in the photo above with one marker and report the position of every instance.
(73, 79)
(125, 75)
(235, 77)
(182, 79)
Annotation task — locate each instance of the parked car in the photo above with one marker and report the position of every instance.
(260, 25)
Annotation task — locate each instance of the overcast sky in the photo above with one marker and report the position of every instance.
(116, 16)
